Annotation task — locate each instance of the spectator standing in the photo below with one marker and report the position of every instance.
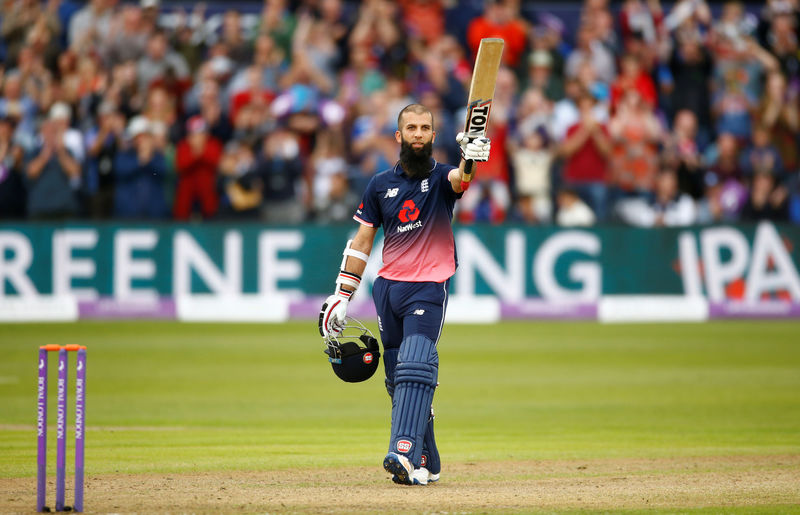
(500, 19)
(196, 160)
(633, 77)
(12, 186)
(372, 141)
(761, 156)
(586, 150)
(682, 153)
(61, 117)
(688, 13)
(778, 114)
(360, 79)
(590, 50)
(103, 143)
(767, 200)
(439, 76)
(327, 160)
(233, 37)
(159, 61)
(16, 104)
(725, 190)
(635, 134)
(139, 175)
(541, 75)
(269, 60)
(239, 187)
(128, 38)
(151, 10)
(781, 39)
(42, 42)
(739, 67)
(565, 111)
(340, 203)
(53, 176)
(210, 108)
(640, 19)
(279, 169)
(724, 160)
(18, 18)
(90, 28)
(279, 23)
(424, 19)
(254, 93)
(532, 158)
(161, 112)
(690, 66)
(123, 90)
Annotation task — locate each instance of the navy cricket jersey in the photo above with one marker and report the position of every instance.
(416, 216)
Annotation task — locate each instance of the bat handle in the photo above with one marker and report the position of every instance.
(467, 175)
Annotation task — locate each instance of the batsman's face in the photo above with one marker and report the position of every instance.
(416, 130)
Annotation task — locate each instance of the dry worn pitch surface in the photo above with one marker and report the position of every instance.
(521, 486)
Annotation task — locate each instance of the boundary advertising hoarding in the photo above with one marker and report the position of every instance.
(518, 271)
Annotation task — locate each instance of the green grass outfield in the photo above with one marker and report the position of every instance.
(171, 397)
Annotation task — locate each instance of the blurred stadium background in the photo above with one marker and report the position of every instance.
(201, 162)
(154, 153)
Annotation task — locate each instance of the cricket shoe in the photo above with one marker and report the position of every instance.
(402, 470)
(420, 476)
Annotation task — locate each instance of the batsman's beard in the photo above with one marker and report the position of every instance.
(416, 163)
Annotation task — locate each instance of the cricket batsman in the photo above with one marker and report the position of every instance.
(413, 202)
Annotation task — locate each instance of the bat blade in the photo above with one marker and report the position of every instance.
(481, 93)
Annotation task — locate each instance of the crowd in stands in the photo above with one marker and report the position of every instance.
(631, 113)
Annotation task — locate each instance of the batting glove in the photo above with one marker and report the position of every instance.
(474, 149)
(332, 315)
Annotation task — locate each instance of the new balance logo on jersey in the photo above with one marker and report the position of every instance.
(391, 192)
(424, 185)
(419, 312)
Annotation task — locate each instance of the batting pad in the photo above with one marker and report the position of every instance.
(415, 381)
(433, 463)
(390, 364)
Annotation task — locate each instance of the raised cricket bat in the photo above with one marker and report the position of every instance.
(481, 93)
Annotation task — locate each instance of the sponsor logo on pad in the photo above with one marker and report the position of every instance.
(403, 446)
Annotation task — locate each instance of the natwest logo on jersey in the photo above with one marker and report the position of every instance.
(409, 212)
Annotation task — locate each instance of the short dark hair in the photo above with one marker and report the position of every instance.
(413, 108)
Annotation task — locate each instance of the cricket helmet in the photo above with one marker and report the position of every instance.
(354, 354)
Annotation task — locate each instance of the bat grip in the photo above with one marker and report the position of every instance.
(466, 177)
